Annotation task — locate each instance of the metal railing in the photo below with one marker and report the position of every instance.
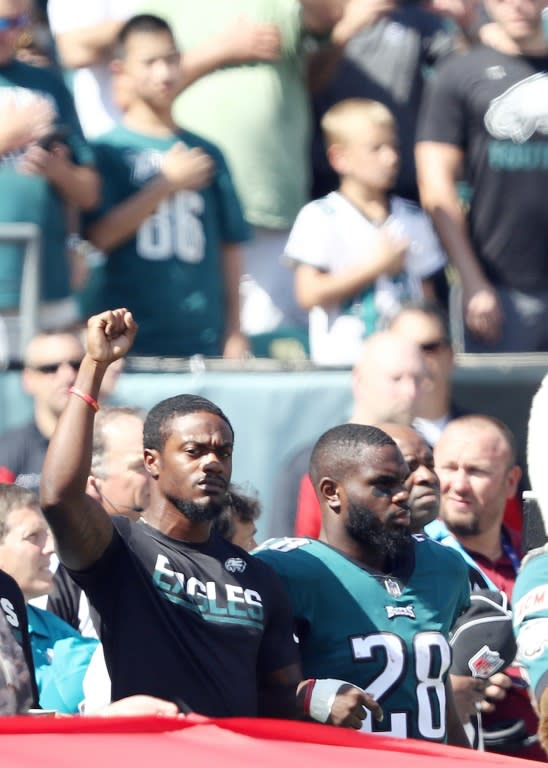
(31, 237)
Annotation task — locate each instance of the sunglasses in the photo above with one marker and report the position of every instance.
(13, 22)
(434, 346)
(54, 367)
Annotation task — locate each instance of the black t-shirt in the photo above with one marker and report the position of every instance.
(385, 62)
(201, 624)
(12, 604)
(65, 601)
(495, 107)
(22, 451)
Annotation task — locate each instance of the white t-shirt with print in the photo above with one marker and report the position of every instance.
(332, 235)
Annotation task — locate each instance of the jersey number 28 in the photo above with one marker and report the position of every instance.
(432, 657)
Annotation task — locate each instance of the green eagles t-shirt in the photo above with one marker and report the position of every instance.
(33, 199)
(385, 635)
(170, 273)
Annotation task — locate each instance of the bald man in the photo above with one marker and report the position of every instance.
(475, 459)
(387, 380)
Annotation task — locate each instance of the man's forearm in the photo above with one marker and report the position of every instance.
(437, 171)
(88, 45)
(456, 735)
(450, 222)
(78, 185)
(200, 61)
(82, 531)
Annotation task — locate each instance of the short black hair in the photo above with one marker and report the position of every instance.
(339, 447)
(141, 22)
(238, 506)
(156, 428)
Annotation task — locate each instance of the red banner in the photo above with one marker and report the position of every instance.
(135, 742)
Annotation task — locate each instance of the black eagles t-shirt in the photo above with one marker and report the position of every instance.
(202, 625)
(495, 107)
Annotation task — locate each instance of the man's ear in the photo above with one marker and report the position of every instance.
(152, 461)
(116, 66)
(329, 493)
(92, 488)
(512, 481)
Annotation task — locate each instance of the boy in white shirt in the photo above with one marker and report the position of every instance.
(359, 253)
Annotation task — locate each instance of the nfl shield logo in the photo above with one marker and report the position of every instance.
(392, 587)
(485, 662)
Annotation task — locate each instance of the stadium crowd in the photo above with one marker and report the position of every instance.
(366, 177)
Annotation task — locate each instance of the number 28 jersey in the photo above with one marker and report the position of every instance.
(170, 272)
(384, 634)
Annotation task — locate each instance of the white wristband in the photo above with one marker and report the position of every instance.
(322, 698)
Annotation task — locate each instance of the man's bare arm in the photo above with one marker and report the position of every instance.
(438, 168)
(243, 41)
(456, 735)
(77, 184)
(81, 527)
(88, 45)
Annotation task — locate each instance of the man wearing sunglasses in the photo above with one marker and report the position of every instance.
(425, 324)
(50, 366)
(45, 168)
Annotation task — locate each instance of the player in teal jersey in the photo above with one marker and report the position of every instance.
(374, 604)
(530, 618)
(170, 221)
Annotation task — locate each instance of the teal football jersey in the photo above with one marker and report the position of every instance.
(386, 635)
(31, 198)
(530, 618)
(170, 273)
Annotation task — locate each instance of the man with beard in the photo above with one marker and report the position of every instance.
(184, 615)
(475, 459)
(374, 603)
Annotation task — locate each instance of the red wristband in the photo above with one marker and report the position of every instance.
(309, 686)
(91, 401)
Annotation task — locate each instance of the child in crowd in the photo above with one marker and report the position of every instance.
(237, 520)
(359, 253)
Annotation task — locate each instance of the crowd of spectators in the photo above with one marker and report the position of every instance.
(238, 168)
(364, 174)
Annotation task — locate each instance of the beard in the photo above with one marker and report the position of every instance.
(464, 529)
(197, 513)
(364, 527)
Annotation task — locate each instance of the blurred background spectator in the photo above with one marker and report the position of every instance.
(45, 168)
